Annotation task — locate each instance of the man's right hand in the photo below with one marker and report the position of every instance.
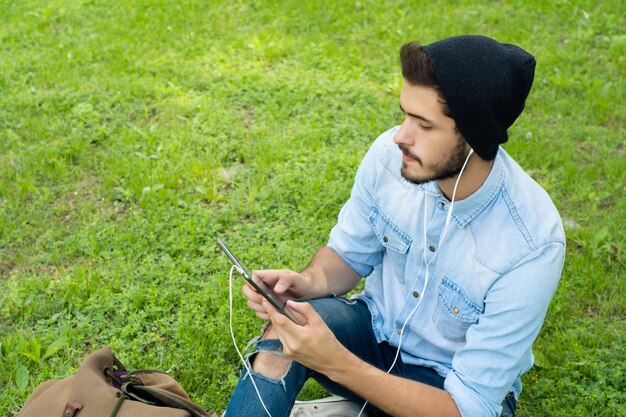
(326, 274)
(287, 284)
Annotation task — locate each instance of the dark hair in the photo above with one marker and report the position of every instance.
(417, 70)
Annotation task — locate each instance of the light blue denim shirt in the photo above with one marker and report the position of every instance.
(490, 281)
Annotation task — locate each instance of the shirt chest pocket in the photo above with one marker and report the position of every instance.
(395, 241)
(455, 312)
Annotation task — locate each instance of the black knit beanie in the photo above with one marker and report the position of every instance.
(484, 84)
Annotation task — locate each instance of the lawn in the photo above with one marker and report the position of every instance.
(132, 134)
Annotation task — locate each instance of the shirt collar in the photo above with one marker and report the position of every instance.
(466, 210)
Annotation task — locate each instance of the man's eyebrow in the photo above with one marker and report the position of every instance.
(417, 116)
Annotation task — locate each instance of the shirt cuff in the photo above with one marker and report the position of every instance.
(362, 270)
(469, 402)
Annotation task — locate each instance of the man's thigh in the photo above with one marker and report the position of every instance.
(351, 322)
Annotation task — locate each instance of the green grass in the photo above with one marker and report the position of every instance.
(132, 135)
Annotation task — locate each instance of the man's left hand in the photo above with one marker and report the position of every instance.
(312, 344)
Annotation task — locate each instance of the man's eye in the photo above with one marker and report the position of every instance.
(425, 127)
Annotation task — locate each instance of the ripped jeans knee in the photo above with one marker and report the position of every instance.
(271, 364)
(255, 390)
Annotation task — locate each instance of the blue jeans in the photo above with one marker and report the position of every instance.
(350, 321)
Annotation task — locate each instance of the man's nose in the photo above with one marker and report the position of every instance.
(404, 135)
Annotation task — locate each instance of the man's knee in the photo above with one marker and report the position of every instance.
(270, 365)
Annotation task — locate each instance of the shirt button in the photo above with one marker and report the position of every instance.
(455, 310)
(400, 331)
(416, 294)
(431, 248)
(385, 239)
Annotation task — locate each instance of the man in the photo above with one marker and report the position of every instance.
(462, 251)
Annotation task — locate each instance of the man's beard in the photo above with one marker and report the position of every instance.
(447, 167)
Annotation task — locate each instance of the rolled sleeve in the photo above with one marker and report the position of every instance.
(498, 347)
(352, 236)
(469, 402)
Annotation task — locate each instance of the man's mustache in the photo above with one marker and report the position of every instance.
(405, 150)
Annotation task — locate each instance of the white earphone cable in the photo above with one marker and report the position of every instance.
(232, 335)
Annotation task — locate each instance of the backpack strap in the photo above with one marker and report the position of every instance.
(153, 396)
(120, 399)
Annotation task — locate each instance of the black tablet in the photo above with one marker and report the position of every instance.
(258, 284)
